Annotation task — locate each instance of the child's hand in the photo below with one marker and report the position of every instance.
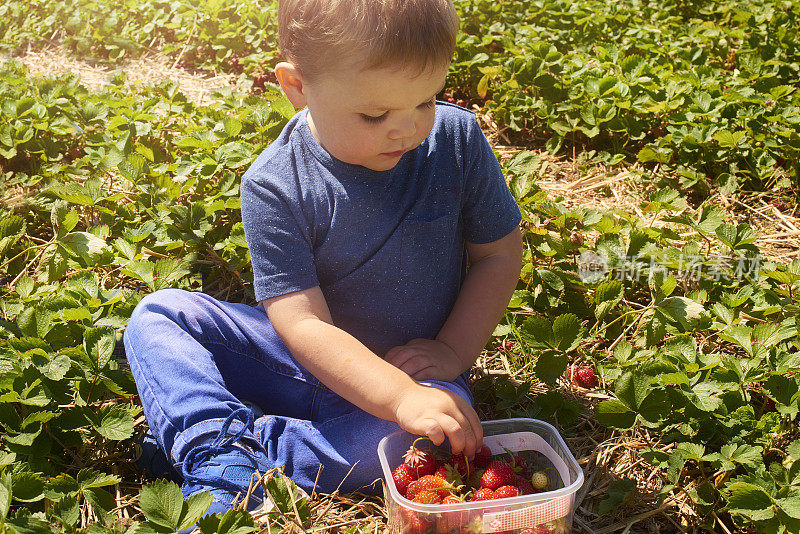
(436, 413)
(426, 359)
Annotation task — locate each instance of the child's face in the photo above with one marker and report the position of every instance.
(371, 117)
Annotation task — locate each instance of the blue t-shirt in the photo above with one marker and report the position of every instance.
(385, 247)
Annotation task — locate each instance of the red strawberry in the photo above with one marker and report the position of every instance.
(427, 497)
(452, 499)
(411, 490)
(483, 494)
(483, 457)
(402, 476)
(497, 474)
(414, 523)
(421, 462)
(584, 377)
(464, 466)
(524, 485)
(503, 492)
(435, 483)
(449, 521)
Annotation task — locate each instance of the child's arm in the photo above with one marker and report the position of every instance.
(491, 280)
(351, 370)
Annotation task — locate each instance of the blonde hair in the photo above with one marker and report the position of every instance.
(320, 36)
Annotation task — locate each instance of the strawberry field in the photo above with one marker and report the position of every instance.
(654, 322)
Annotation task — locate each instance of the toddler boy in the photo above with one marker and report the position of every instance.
(361, 219)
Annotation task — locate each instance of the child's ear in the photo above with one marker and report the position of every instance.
(292, 83)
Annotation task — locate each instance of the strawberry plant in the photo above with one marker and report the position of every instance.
(94, 232)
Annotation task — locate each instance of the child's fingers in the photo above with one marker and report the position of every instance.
(435, 433)
(395, 356)
(456, 433)
(414, 366)
(476, 426)
(473, 429)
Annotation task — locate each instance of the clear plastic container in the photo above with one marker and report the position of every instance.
(549, 512)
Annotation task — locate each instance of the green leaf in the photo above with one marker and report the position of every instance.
(706, 396)
(99, 344)
(67, 511)
(284, 107)
(162, 503)
(623, 351)
(657, 155)
(28, 487)
(655, 408)
(566, 329)
(727, 139)
(615, 414)
(166, 271)
(55, 367)
(610, 290)
(790, 506)
(739, 335)
(86, 283)
(89, 478)
(737, 237)
(749, 500)
(684, 311)
(537, 332)
(483, 86)
(61, 486)
(5, 494)
(73, 193)
(743, 454)
(283, 491)
(618, 492)
(102, 502)
(84, 245)
(232, 126)
(131, 167)
(770, 334)
(233, 522)
(7, 458)
(115, 422)
(550, 365)
(794, 449)
(194, 508)
(783, 390)
(632, 388)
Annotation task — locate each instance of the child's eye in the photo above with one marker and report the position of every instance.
(373, 120)
(380, 118)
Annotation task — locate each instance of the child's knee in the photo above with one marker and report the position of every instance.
(152, 310)
(161, 302)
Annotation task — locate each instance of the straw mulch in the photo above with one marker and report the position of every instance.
(152, 67)
(605, 455)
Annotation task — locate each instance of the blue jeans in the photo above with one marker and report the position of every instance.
(196, 359)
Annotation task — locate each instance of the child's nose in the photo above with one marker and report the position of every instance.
(403, 128)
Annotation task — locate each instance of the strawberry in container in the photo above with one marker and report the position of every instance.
(522, 481)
